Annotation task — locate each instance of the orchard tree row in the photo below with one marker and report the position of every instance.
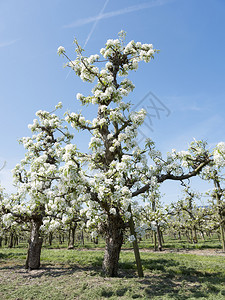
(58, 185)
(179, 222)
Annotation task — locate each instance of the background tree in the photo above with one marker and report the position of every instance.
(155, 216)
(214, 174)
(188, 216)
(37, 180)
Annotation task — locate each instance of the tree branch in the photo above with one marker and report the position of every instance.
(161, 178)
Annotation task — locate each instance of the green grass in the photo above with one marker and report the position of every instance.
(75, 274)
(208, 243)
(212, 243)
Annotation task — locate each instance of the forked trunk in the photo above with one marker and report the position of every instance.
(114, 240)
(35, 243)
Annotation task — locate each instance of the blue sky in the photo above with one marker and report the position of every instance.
(187, 76)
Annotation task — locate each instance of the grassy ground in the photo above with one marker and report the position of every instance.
(173, 243)
(76, 274)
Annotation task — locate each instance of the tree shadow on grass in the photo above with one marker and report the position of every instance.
(178, 281)
(11, 255)
(47, 268)
(163, 277)
(52, 270)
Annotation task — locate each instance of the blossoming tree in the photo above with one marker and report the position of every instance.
(154, 215)
(119, 169)
(214, 173)
(42, 190)
(188, 216)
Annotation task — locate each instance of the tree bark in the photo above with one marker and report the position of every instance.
(15, 240)
(114, 240)
(50, 238)
(60, 239)
(11, 240)
(195, 238)
(162, 236)
(35, 244)
(72, 235)
(222, 233)
(155, 240)
(179, 235)
(219, 193)
(82, 237)
(202, 234)
(159, 238)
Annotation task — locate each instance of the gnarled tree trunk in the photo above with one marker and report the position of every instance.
(114, 240)
(35, 244)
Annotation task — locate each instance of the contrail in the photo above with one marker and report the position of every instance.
(9, 43)
(92, 29)
(95, 23)
(115, 13)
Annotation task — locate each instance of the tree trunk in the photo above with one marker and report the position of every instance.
(222, 236)
(159, 238)
(202, 235)
(152, 237)
(188, 236)
(69, 238)
(195, 238)
(155, 240)
(82, 237)
(60, 240)
(179, 235)
(50, 238)
(10, 240)
(72, 235)
(162, 236)
(114, 240)
(1, 241)
(35, 243)
(219, 193)
(15, 240)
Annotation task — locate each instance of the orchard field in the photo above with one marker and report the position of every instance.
(68, 200)
(107, 198)
(180, 271)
